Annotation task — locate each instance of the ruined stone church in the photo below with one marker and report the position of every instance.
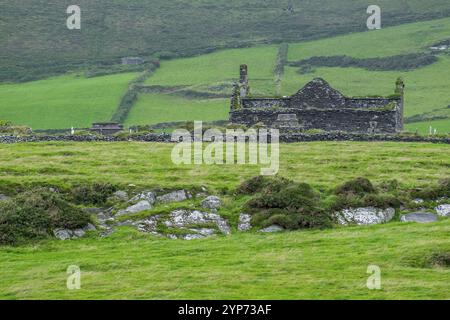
(317, 106)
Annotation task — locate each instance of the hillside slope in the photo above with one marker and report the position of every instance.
(35, 41)
(198, 88)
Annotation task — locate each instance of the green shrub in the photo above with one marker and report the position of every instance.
(96, 194)
(358, 186)
(380, 201)
(439, 259)
(34, 214)
(360, 192)
(283, 202)
(258, 183)
(442, 189)
(5, 123)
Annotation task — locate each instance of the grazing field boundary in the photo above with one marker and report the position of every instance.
(130, 97)
(165, 137)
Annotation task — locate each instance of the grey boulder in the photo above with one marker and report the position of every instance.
(63, 234)
(272, 228)
(145, 195)
(192, 236)
(3, 197)
(78, 233)
(365, 216)
(138, 207)
(175, 196)
(211, 202)
(66, 234)
(89, 227)
(420, 217)
(443, 210)
(244, 222)
(120, 195)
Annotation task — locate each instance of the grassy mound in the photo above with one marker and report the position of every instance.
(34, 214)
(286, 203)
(439, 259)
(360, 192)
(441, 189)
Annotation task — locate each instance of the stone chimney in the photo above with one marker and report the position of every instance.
(243, 81)
(400, 91)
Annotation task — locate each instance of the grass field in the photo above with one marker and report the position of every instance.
(63, 102)
(163, 107)
(441, 126)
(322, 164)
(328, 264)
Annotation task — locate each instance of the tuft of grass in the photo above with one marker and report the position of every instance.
(440, 259)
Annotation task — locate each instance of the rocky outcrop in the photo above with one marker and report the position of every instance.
(145, 195)
(184, 218)
(364, 216)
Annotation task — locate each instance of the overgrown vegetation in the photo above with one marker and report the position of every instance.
(298, 205)
(288, 204)
(33, 215)
(441, 189)
(6, 127)
(94, 194)
(394, 63)
(360, 192)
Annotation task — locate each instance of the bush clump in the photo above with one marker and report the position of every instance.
(96, 193)
(34, 214)
(359, 186)
(283, 202)
(360, 192)
(258, 183)
(442, 189)
(439, 259)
